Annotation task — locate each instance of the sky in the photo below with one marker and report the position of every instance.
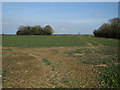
(60, 0)
(64, 17)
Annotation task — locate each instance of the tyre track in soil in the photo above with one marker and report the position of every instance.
(87, 42)
(99, 44)
(91, 44)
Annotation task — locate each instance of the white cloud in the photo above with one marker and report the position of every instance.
(60, 0)
(50, 25)
(45, 25)
(63, 29)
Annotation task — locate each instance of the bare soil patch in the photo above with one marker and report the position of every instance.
(24, 68)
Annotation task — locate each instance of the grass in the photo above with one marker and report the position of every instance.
(108, 51)
(41, 41)
(68, 53)
(35, 54)
(105, 41)
(8, 49)
(45, 60)
(1, 53)
(97, 60)
(72, 82)
(54, 50)
(90, 40)
(97, 56)
(56, 41)
(60, 87)
(53, 83)
(110, 77)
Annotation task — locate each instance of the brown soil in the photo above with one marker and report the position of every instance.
(24, 68)
(89, 44)
(102, 65)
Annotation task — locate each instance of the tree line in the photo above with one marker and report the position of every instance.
(109, 30)
(35, 30)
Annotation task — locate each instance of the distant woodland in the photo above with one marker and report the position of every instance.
(109, 30)
(35, 30)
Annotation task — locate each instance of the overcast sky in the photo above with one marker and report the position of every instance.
(64, 17)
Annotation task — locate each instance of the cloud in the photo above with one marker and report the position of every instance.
(63, 29)
(52, 26)
(45, 25)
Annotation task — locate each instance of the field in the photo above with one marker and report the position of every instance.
(69, 61)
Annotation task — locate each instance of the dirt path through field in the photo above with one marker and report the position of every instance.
(87, 42)
(99, 44)
(27, 68)
(83, 39)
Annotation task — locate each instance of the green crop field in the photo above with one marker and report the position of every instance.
(104, 41)
(41, 41)
(55, 41)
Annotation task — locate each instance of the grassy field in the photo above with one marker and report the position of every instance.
(42, 41)
(55, 41)
(79, 61)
